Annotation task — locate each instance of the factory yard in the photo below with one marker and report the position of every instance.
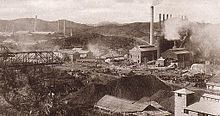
(52, 89)
(169, 67)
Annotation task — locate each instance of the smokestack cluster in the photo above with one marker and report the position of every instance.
(164, 17)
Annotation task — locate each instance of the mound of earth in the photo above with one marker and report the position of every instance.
(133, 88)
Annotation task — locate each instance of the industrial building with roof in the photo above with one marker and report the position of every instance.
(143, 53)
(187, 105)
(180, 55)
(111, 105)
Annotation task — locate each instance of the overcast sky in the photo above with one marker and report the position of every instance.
(122, 11)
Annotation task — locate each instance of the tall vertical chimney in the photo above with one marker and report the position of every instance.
(164, 18)
(171, 16)
(160, 24)
(152, 26)
(167, 16)
(35, 23)
(58, 26)
(64, 27)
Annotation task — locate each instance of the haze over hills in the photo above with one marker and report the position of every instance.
(27, 24)
(137, 29)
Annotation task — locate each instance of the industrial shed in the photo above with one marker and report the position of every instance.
(180, 55)
(143, 53)
(117, 106)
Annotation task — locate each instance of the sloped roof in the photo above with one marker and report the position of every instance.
(172, 53)
(184, 91)
(136, 107)
(112, 103)
(205, 106)
(144, 48)
(120, 105)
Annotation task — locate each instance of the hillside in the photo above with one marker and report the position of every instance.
(27, 24)
(133, 88)
(135, 30)
(95, 42)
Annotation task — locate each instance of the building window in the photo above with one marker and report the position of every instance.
(179, 95)
(186, 111)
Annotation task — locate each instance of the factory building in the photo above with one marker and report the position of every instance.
(143, 54)
(179, 55)
(186, 104)
(114, 106)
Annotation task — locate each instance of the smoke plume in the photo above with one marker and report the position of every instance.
(96, 49)
(173, 28)
(205, 38)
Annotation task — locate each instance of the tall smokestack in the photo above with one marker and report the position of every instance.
(64, 27)
(152, 26)
(164, 18)
(167, 16)
(171, 15)
(35, 23)
(160, 24)
(58, 26)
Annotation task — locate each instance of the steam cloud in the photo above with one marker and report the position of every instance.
(173, 27)
(205, 38)
(96, 49)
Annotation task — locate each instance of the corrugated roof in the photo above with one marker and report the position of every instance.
(184, 91)
(112, 103)
(119, 105)
(205, 106)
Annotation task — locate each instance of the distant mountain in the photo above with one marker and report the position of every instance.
(27, 24)
(106, 23)
(131, 30)
(137, 29)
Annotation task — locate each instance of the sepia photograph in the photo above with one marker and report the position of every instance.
(109, 57)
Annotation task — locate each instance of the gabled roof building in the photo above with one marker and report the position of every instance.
(143, 53)
(187, 105)
(117, 106)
